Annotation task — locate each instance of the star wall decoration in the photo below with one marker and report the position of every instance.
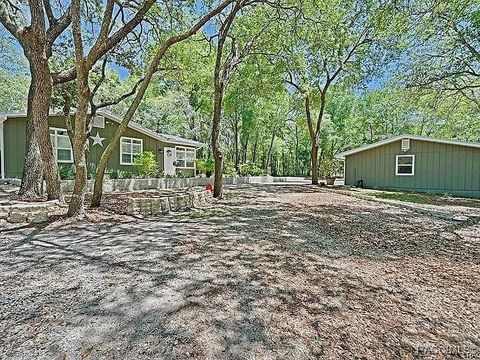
(97, 140)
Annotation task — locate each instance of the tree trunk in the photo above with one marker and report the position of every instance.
(217, 151)
(76, 207)
(237, 152)
(40, 105)
(254, 152)
(314, 159)
(32, 177)
(269, 155)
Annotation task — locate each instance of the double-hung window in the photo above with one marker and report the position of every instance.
(129, 149)
(405, 165)
(62, 148)
(185, 157)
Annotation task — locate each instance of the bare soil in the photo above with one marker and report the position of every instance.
(287, 272)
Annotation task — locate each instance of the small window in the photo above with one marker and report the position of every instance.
(185, 157)
(99, 122)
(405, 165)
(405, 145)
(129, 149)
(62, 148)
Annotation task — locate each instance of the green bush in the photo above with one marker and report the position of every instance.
(230, 170)
(329, 167)
(66, 172)
(250, 169)
(146, 164)
(113, 174)
(206, 166)
(126, 175)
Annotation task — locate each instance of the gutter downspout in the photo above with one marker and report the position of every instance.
(2, 148)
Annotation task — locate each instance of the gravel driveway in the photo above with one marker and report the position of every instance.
(289, 272)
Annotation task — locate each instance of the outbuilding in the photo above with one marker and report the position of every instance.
(415, 163)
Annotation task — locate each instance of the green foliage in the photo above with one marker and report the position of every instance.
(66, 172)
(115, 174)
(229, 169)
(250, 169)
(146, 164)
(329, 167)
(206, 166)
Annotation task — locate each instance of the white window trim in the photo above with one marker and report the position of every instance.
(55, 149)
(413, 165)
(129, 138)
(194, 167)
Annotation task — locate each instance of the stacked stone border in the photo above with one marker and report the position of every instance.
(28, 212)
(195, 199)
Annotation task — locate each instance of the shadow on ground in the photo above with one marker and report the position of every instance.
(272, 271)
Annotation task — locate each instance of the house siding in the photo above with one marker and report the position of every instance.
(14, 135)
(439, 168)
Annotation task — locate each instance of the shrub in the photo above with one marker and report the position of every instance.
(329, 167)
(250, 169)
(230, 170)
(206, 166)
(146, 164)
(113, 174)
(66, 172)
(125, 174)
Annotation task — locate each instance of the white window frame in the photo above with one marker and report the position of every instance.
(184, 149)
(98, 122)
(397, 165)
(131, 153)
(55, 146)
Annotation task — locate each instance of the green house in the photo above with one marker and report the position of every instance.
(415, 163)
(174, 154)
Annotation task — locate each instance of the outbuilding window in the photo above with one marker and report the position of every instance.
(129, 149)
(405, 165)
(62, 147)
(185, 157)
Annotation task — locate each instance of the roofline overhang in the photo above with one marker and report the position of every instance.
(344, 154)
(134, 126)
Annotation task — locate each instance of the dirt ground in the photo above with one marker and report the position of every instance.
(272, 272)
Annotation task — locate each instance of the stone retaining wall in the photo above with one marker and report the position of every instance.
(25, 212)
(125, 185)
(173, 203)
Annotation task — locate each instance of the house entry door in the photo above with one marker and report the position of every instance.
(168, 161)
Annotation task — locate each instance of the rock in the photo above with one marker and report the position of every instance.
(156, 206)
(145, 206)
(460, 218)
(172, 200)
(165, 204)
(3, 215)
(17, 217)
(196, 200)
(182, 202)
(132, 206)
(38, 217)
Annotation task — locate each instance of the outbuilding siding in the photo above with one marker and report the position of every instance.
(439, 168)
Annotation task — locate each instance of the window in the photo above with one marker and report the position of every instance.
(129, 148)
(99, 122)
(62, 148)
(185, 157)
(405, 165)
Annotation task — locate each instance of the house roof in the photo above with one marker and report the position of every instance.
(343, 154)
(161, 137)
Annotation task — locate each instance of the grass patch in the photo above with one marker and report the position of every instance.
(430, 199)
(407, 197)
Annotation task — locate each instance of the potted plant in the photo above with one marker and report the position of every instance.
(328, 168)
(206, 166)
